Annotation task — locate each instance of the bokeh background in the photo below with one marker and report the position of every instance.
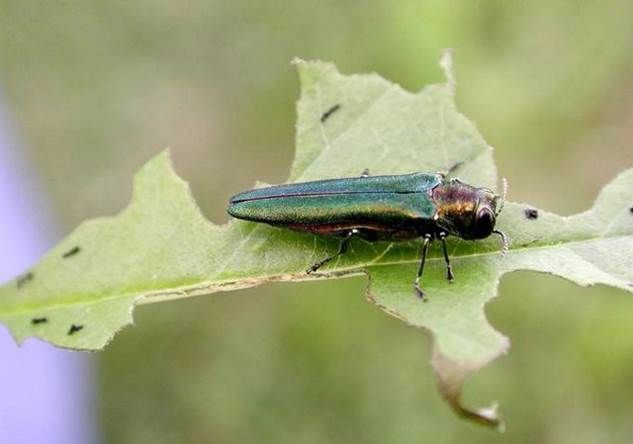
(94, 89)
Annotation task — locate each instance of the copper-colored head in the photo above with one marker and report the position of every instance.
(465, 211)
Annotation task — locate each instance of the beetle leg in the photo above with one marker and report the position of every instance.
(449, 269)
(416, 285)
(342, 249)
(454, 168)
(365, 173)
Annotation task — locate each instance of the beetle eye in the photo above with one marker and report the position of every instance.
(484, 223)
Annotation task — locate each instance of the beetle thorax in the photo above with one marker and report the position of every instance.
(456, 206)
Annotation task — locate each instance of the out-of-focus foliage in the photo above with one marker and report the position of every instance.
(547, 83)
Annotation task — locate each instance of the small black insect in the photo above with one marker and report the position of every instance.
(24, 279)
(74, 329)
(36, 321)
(531, 213)
(631, 209)
(73, 251)
(329, 112)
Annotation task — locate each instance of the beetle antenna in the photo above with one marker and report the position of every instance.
(504, 192)
(505, 242)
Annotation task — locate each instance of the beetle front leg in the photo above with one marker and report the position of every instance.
(342, 249)
(449, 269)
(416, 285)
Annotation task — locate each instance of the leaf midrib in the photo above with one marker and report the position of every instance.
(190, 290)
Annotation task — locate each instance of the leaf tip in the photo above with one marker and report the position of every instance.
(450, 377)
(161, 162)
(312, 72)
(446, 63)
(162, 158)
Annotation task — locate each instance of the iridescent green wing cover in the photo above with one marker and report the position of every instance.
(379, 199)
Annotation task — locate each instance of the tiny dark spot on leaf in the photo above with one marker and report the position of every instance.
(24, 279)
(329, 112)
(631, 209)
(73, 251)
(74, 329)
(531, 213)
(36, 321)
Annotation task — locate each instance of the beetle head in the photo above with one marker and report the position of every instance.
(485, 215)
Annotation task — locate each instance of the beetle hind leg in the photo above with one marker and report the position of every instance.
(451, 171)
(342, 249)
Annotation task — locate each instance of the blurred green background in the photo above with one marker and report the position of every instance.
(97, 88)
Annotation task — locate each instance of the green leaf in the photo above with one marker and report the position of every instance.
(161, 247)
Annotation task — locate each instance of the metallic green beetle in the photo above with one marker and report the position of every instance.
(390, 208)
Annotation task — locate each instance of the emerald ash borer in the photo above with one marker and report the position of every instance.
(429, 206)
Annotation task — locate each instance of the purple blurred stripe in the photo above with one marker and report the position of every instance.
(47, 395)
